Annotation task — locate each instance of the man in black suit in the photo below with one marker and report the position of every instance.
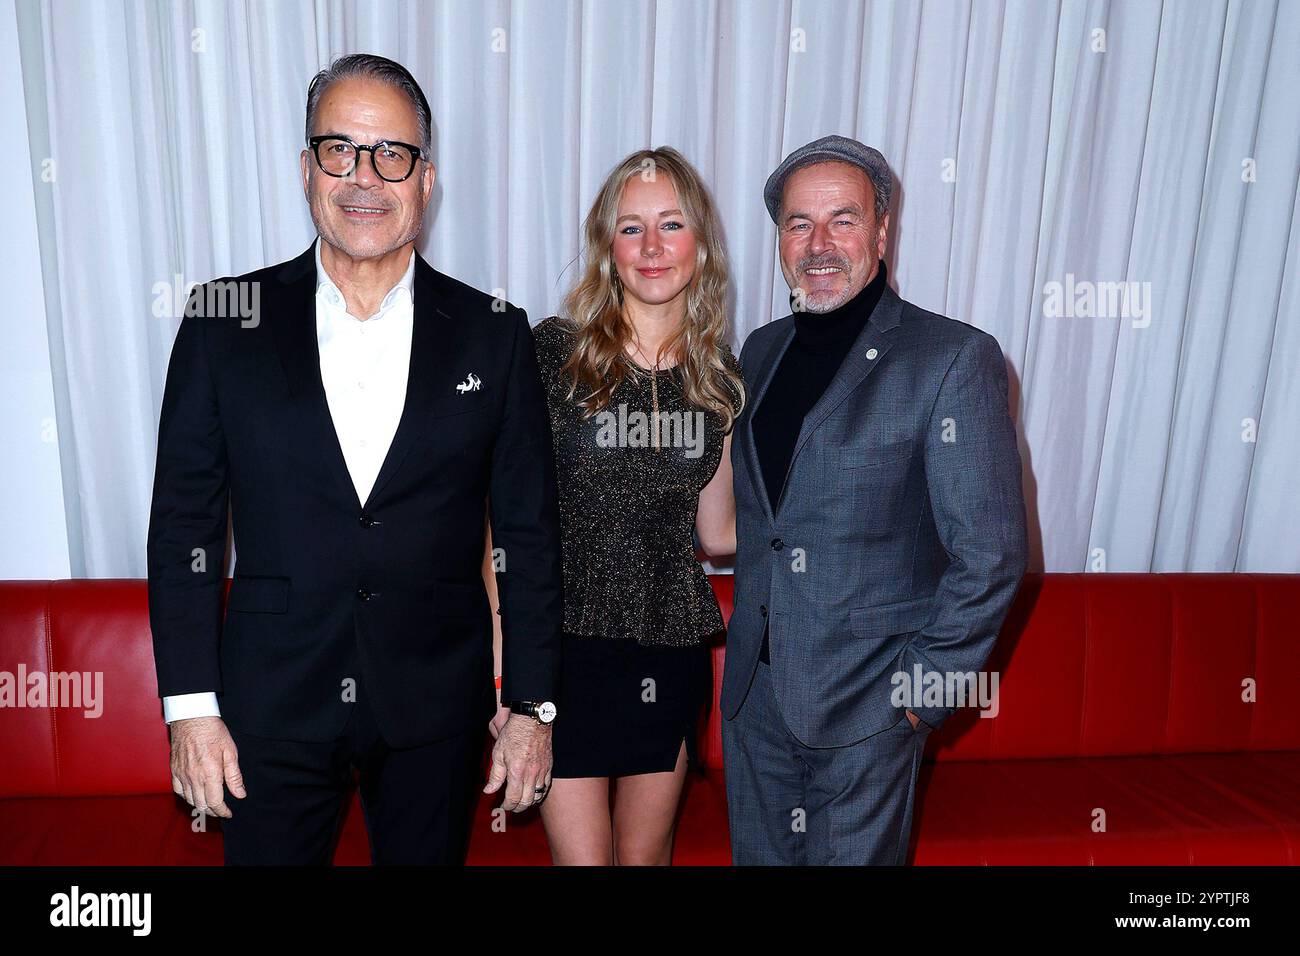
(356, 420)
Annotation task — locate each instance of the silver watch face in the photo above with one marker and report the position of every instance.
(546, 711)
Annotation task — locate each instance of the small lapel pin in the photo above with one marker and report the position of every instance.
(470, 384)
(872, 353)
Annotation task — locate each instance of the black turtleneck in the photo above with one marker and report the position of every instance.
(821, 342)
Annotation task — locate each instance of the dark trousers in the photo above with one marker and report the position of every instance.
(793, 805)
(418, 801)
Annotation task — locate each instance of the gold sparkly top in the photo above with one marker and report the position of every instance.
(628, 502)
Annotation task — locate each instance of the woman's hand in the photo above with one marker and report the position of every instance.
(499, 721)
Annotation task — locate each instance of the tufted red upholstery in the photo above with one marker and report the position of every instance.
(1120, 695)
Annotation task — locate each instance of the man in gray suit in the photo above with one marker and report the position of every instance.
(880, 529)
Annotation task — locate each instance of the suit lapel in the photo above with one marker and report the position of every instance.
(875, 335)
(762, 378)
(422, 378)
(294, 326)
(874, 338)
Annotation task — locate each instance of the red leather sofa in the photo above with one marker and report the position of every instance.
(1142, 719)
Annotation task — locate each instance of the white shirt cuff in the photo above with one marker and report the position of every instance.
(185, 706)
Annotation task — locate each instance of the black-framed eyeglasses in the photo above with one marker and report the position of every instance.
(337, 156)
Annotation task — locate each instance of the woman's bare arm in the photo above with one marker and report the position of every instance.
(490, 582)
(715, 521)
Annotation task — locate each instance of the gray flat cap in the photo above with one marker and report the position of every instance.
(828, 148)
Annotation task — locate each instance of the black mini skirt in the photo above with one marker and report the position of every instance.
(625, 708)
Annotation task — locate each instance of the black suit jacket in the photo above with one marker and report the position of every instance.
(328, 589)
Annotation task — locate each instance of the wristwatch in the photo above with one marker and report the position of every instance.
(541, 711)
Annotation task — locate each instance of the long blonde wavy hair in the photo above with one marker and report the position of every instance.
(593, 309)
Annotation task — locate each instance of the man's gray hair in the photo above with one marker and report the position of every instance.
(379, 68)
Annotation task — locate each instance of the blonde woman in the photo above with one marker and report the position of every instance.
(643, 391)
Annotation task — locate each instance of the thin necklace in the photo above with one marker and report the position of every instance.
(654, 399)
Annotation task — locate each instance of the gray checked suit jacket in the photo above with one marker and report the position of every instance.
(899, 536)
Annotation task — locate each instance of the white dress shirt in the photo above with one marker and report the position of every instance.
(364, 366)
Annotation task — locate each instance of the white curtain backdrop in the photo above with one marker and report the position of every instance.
(1035, 143)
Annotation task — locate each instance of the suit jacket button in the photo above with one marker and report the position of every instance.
(777, 544)
(363, 594)
(367, 521)
(762, 609)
